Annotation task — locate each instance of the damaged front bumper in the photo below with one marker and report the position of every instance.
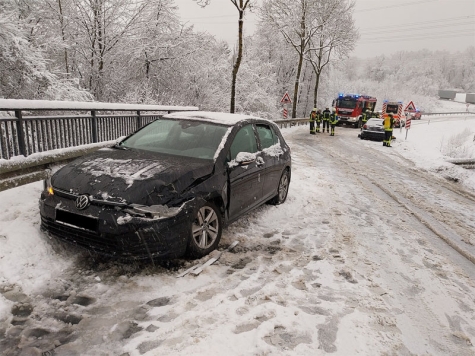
(116, 229)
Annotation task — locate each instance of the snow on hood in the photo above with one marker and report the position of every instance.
(127, 169)
(131, 176)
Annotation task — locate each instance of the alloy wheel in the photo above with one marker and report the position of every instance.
(206, 227)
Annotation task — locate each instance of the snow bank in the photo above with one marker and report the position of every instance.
(433, 141)
(26, 257)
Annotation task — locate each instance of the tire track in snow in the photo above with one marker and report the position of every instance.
(422, 318)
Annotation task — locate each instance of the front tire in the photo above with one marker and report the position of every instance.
(282, 189)
(206, 229)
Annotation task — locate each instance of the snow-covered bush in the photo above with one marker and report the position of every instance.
(461, 145)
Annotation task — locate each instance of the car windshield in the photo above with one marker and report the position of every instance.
(346, 104)
(178, 137)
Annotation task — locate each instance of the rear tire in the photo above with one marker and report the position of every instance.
(206, 230)
(282, 189)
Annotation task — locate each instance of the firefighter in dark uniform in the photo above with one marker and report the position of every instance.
(326, 119)
(319, 120)
(365, 117)
(388, 123)
(312, 119)
(333, 121)
(376, 114)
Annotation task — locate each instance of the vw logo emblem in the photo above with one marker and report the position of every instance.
(82, 202)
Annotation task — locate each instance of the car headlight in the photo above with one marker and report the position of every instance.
(153, 211)
(47, 186)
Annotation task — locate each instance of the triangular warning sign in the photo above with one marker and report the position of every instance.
(285, 99)
(410, 107)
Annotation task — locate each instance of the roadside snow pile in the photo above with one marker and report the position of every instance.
(430, 144)
(25, 260)
(459, 145)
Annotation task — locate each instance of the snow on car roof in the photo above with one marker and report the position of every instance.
(215, 117)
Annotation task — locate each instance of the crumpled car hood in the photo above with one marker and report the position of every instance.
(132, 176)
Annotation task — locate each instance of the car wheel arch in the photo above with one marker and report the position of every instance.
(276, 200)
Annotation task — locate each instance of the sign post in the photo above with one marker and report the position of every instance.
(408, 125)
(410, 108)
(285, 101)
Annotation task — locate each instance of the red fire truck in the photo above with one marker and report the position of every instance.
(350, 107)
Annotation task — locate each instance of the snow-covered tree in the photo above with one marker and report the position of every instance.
(292, 20)
(24, 67)
(241, 6)
(335, 38)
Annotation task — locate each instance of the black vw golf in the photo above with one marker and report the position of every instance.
(168, 189)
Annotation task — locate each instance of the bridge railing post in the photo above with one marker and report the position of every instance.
(20, 133)
(139, 120)
(94, 126)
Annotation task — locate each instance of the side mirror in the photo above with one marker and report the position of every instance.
(242, 159)
(245, 158)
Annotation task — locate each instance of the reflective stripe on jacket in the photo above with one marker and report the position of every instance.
(333, 119)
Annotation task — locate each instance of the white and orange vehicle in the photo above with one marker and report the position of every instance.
(395, 108)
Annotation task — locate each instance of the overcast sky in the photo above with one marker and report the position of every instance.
(385, 26)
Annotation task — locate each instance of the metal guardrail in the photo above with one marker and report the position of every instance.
(448, 113)
(467, 163)
(291, 122)
(462, 161)
(22, 135)
(14, 173)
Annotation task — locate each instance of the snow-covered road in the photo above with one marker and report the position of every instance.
(369, 255)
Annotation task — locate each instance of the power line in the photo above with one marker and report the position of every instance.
(398, 5)
(433, 23)
(222, 22)
(418, 29)
(207, 17)
(425, 34)
(417, 38)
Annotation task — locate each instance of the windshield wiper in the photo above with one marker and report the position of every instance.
(119, 147)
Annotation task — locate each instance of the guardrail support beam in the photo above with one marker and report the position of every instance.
(20, 133)
(139, 120)
(94, 126)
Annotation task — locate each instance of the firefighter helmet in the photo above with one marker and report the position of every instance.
(390, 115)
(334, 109)
(314, 109)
